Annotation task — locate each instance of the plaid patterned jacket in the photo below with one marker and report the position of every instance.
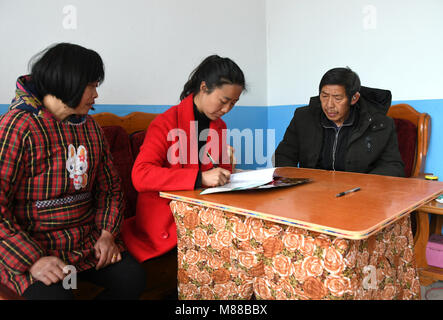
(58, 189)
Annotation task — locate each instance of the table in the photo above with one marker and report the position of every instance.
(301, 242)
(428, 274)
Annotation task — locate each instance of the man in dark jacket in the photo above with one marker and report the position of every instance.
(345, 128)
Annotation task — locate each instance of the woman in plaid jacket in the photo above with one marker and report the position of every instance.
(60, 197)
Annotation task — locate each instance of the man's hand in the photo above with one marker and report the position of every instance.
(48, 270)
(106, 251)
(215, 177)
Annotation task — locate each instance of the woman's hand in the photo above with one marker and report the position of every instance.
(215, 177)
(106, 251)
(48, 270)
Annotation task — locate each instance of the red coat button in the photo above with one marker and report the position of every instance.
(164, 235)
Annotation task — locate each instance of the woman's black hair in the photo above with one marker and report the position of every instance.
(344, 77)
(64, 70)
(215, 72)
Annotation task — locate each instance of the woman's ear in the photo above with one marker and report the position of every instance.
(203, 87)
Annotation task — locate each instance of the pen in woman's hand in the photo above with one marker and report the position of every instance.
(212, 160)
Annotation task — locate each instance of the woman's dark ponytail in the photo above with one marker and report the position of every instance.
(215, 71)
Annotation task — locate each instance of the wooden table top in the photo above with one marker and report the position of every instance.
(314, 205)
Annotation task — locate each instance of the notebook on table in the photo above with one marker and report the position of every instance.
(256, 179)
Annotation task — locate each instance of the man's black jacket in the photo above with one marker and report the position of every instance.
(372, 145)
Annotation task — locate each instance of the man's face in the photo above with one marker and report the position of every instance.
(335, 103)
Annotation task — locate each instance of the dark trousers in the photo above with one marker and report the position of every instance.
(124, 280)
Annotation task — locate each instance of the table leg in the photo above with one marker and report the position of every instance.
(421, 240)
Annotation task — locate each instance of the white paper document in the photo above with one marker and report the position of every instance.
(244, 180)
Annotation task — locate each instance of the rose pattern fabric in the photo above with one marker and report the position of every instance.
(222, 255)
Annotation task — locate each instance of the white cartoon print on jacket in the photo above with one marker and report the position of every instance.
(77, 164)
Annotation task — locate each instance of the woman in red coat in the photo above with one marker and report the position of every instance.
(174, 154)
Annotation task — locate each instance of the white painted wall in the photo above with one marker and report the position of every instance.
(392, 44)
(149, 46)
(283, 46)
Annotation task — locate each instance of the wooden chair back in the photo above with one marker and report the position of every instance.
(133, 122)
(139, 121)
(423, 123)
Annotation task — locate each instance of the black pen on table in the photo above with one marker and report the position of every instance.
(212, 160)
(347, 191)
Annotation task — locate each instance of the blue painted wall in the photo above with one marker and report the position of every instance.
(255, 119)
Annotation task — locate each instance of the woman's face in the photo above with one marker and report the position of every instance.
(88, 99)
(219, 102)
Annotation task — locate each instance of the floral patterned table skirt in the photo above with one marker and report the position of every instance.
(222, 255)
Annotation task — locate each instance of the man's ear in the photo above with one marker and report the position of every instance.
(355, 98)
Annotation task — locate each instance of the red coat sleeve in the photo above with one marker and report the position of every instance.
(152, 171)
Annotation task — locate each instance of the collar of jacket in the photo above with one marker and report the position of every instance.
(377, 100)
(26, 97)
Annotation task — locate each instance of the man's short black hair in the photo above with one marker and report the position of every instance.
(64, 70)
(342, 76)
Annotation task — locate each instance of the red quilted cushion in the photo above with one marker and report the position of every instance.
(136, 141)
(407, 143)
(123, 160)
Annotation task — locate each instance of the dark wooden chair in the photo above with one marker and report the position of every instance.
(413, 133)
